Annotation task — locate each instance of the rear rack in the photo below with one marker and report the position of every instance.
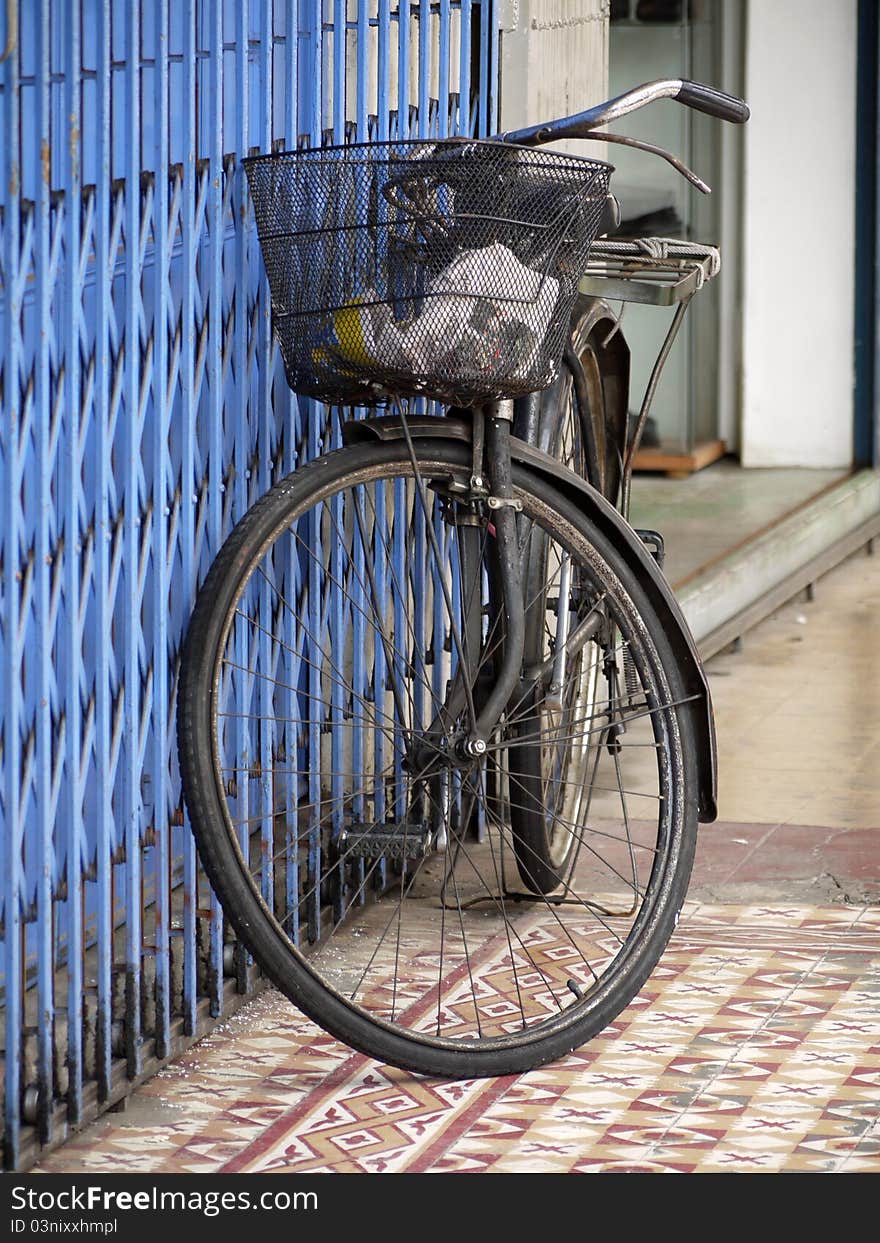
(658, 271)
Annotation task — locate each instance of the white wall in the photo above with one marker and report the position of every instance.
(554, 61)
(799, 195)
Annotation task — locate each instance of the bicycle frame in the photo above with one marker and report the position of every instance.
(457, 425)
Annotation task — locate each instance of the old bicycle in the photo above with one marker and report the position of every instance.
(443, 733)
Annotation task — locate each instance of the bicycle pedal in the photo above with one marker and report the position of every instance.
(412, 841)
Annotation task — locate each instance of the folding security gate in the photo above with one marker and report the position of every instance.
(143, 409)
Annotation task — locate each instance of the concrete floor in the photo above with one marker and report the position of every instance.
(753, 1046)
(797, 711)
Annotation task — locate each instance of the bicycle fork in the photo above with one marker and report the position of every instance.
(503, 506)
(491, 485)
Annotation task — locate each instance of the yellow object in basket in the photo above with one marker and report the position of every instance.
(353, 333)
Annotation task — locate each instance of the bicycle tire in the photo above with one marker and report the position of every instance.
(432, 1017)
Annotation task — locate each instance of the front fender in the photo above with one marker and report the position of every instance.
(619, 533)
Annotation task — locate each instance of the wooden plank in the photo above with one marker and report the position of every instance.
(680, 465)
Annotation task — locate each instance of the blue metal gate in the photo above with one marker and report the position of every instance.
(143, 409)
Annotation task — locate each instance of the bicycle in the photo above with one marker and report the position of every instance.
(438, 708)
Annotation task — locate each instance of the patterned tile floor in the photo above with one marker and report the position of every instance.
(755, 1045)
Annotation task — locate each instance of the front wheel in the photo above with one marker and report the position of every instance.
(362, 858)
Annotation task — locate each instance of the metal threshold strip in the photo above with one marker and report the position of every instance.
(735, 592)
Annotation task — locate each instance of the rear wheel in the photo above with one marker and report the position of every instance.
(556, 788)
(361, 859)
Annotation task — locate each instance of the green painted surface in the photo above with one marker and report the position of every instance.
(711, 512)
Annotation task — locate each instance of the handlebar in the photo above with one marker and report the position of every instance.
(582, 124)
(716, 103)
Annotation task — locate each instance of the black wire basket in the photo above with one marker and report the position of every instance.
(439, 269)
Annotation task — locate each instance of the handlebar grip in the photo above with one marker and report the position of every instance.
(715, 103)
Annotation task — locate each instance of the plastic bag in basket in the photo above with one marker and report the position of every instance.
(485, 311)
